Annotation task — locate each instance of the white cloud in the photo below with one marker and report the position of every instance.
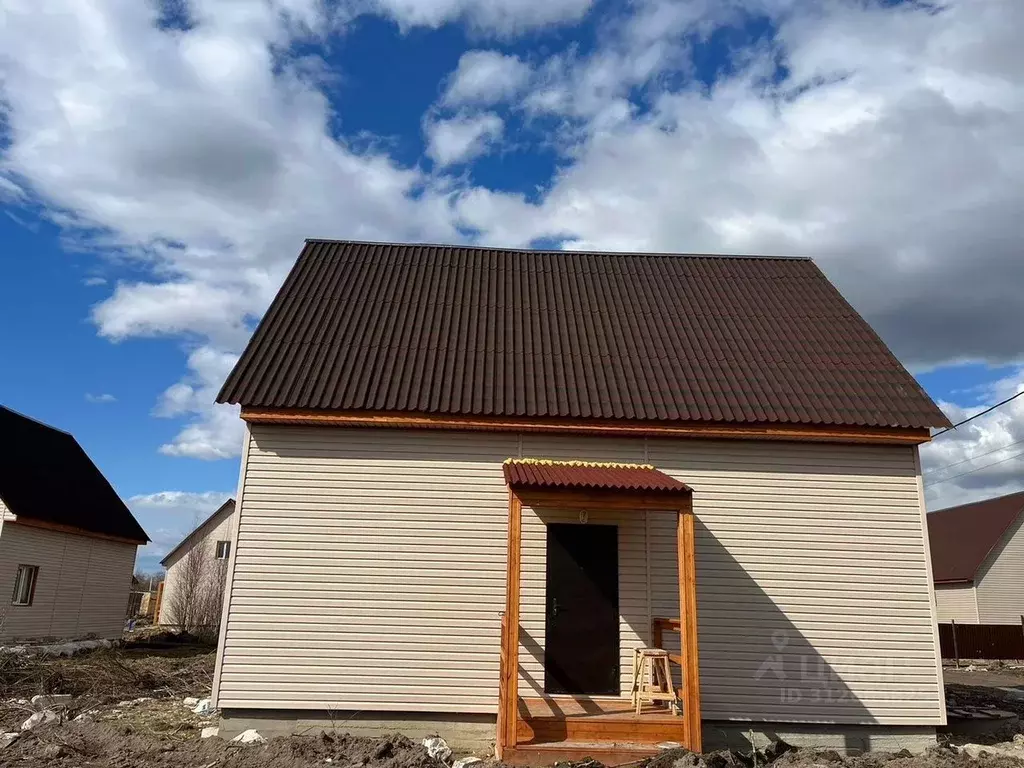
(217, 433)
(982, 458)
(891, 151)
(890, 148)
(486, 77)
(94, 281)
(198, 155)
(462, 138)
(501, 17)
(105, 397)
(167, 516)
(178, 502)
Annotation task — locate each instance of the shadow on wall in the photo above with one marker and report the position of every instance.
(761, 673)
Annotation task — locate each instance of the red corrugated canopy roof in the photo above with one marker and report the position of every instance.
(578, 475)
(961, 538)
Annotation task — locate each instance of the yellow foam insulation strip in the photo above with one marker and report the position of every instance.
(595, 464)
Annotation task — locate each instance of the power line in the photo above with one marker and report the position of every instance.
(977, 469)
(971, 418)
(973, 458)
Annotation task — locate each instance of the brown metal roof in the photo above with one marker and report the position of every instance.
(461, 330)
(961, 538)
(579, 475)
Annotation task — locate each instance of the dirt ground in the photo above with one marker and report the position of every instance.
(128, 711)
(994, 674)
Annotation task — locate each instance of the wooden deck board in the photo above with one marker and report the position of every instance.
(596, 708)
(566, 722)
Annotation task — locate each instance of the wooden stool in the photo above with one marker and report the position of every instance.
(652, 680)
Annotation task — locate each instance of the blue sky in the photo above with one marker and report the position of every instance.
(161, 164)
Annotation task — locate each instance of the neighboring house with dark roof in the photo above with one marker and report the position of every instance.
(67, 541)
(198, 560)
(978, 561)
(474, 480)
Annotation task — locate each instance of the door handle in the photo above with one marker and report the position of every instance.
(554, 606)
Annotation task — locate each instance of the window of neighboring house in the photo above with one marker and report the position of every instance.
(25, 584)
(223, 550)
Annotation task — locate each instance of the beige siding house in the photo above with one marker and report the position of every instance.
(977, 555)
(448, 448)
(197, 563)
(67, 542)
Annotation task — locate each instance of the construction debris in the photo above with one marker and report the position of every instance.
(438, 748)
(40, 718)
(204, 708)
(251, 736)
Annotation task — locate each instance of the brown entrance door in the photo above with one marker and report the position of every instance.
(581, 631)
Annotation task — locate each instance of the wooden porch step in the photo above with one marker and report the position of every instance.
(598, 730)
(541, 755)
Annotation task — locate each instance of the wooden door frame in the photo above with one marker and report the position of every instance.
(681, 504)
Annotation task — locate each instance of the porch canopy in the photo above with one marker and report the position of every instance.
(597, 485)
(537, 474)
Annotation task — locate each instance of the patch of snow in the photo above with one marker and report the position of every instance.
(463, 762)
(209, 732)
(190, 701)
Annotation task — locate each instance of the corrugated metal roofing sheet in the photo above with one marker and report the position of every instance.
(961, 537)
(577, 475)
(491, 332)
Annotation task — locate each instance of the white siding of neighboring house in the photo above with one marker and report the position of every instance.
(1000, 580)
(956, 602)
(81, 590)
(221, 528)
(370, 571)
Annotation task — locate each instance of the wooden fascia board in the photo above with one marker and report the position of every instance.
(799, 432)
(628, 500)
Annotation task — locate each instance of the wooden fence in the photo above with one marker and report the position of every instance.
(981, 641)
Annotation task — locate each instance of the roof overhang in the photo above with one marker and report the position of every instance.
(820, 433)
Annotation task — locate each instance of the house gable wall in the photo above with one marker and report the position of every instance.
(956, 602)
(81, 590)
(1000, 580)
(221, 528)
(369, 574)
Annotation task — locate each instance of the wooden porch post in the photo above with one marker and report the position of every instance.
(508, 683)
(688, 627)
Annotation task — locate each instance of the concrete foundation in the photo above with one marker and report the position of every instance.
(474, 733)
(845, 739)
(467, 733)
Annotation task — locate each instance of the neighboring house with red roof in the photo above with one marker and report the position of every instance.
(475, 480)
(67, 541)
(978, 561)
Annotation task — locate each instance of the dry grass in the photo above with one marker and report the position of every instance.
(109, 674)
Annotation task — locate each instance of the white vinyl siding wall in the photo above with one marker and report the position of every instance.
(220, 530)
(957, 602)
(1000, 580)
(81, 590)
(370, 572)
